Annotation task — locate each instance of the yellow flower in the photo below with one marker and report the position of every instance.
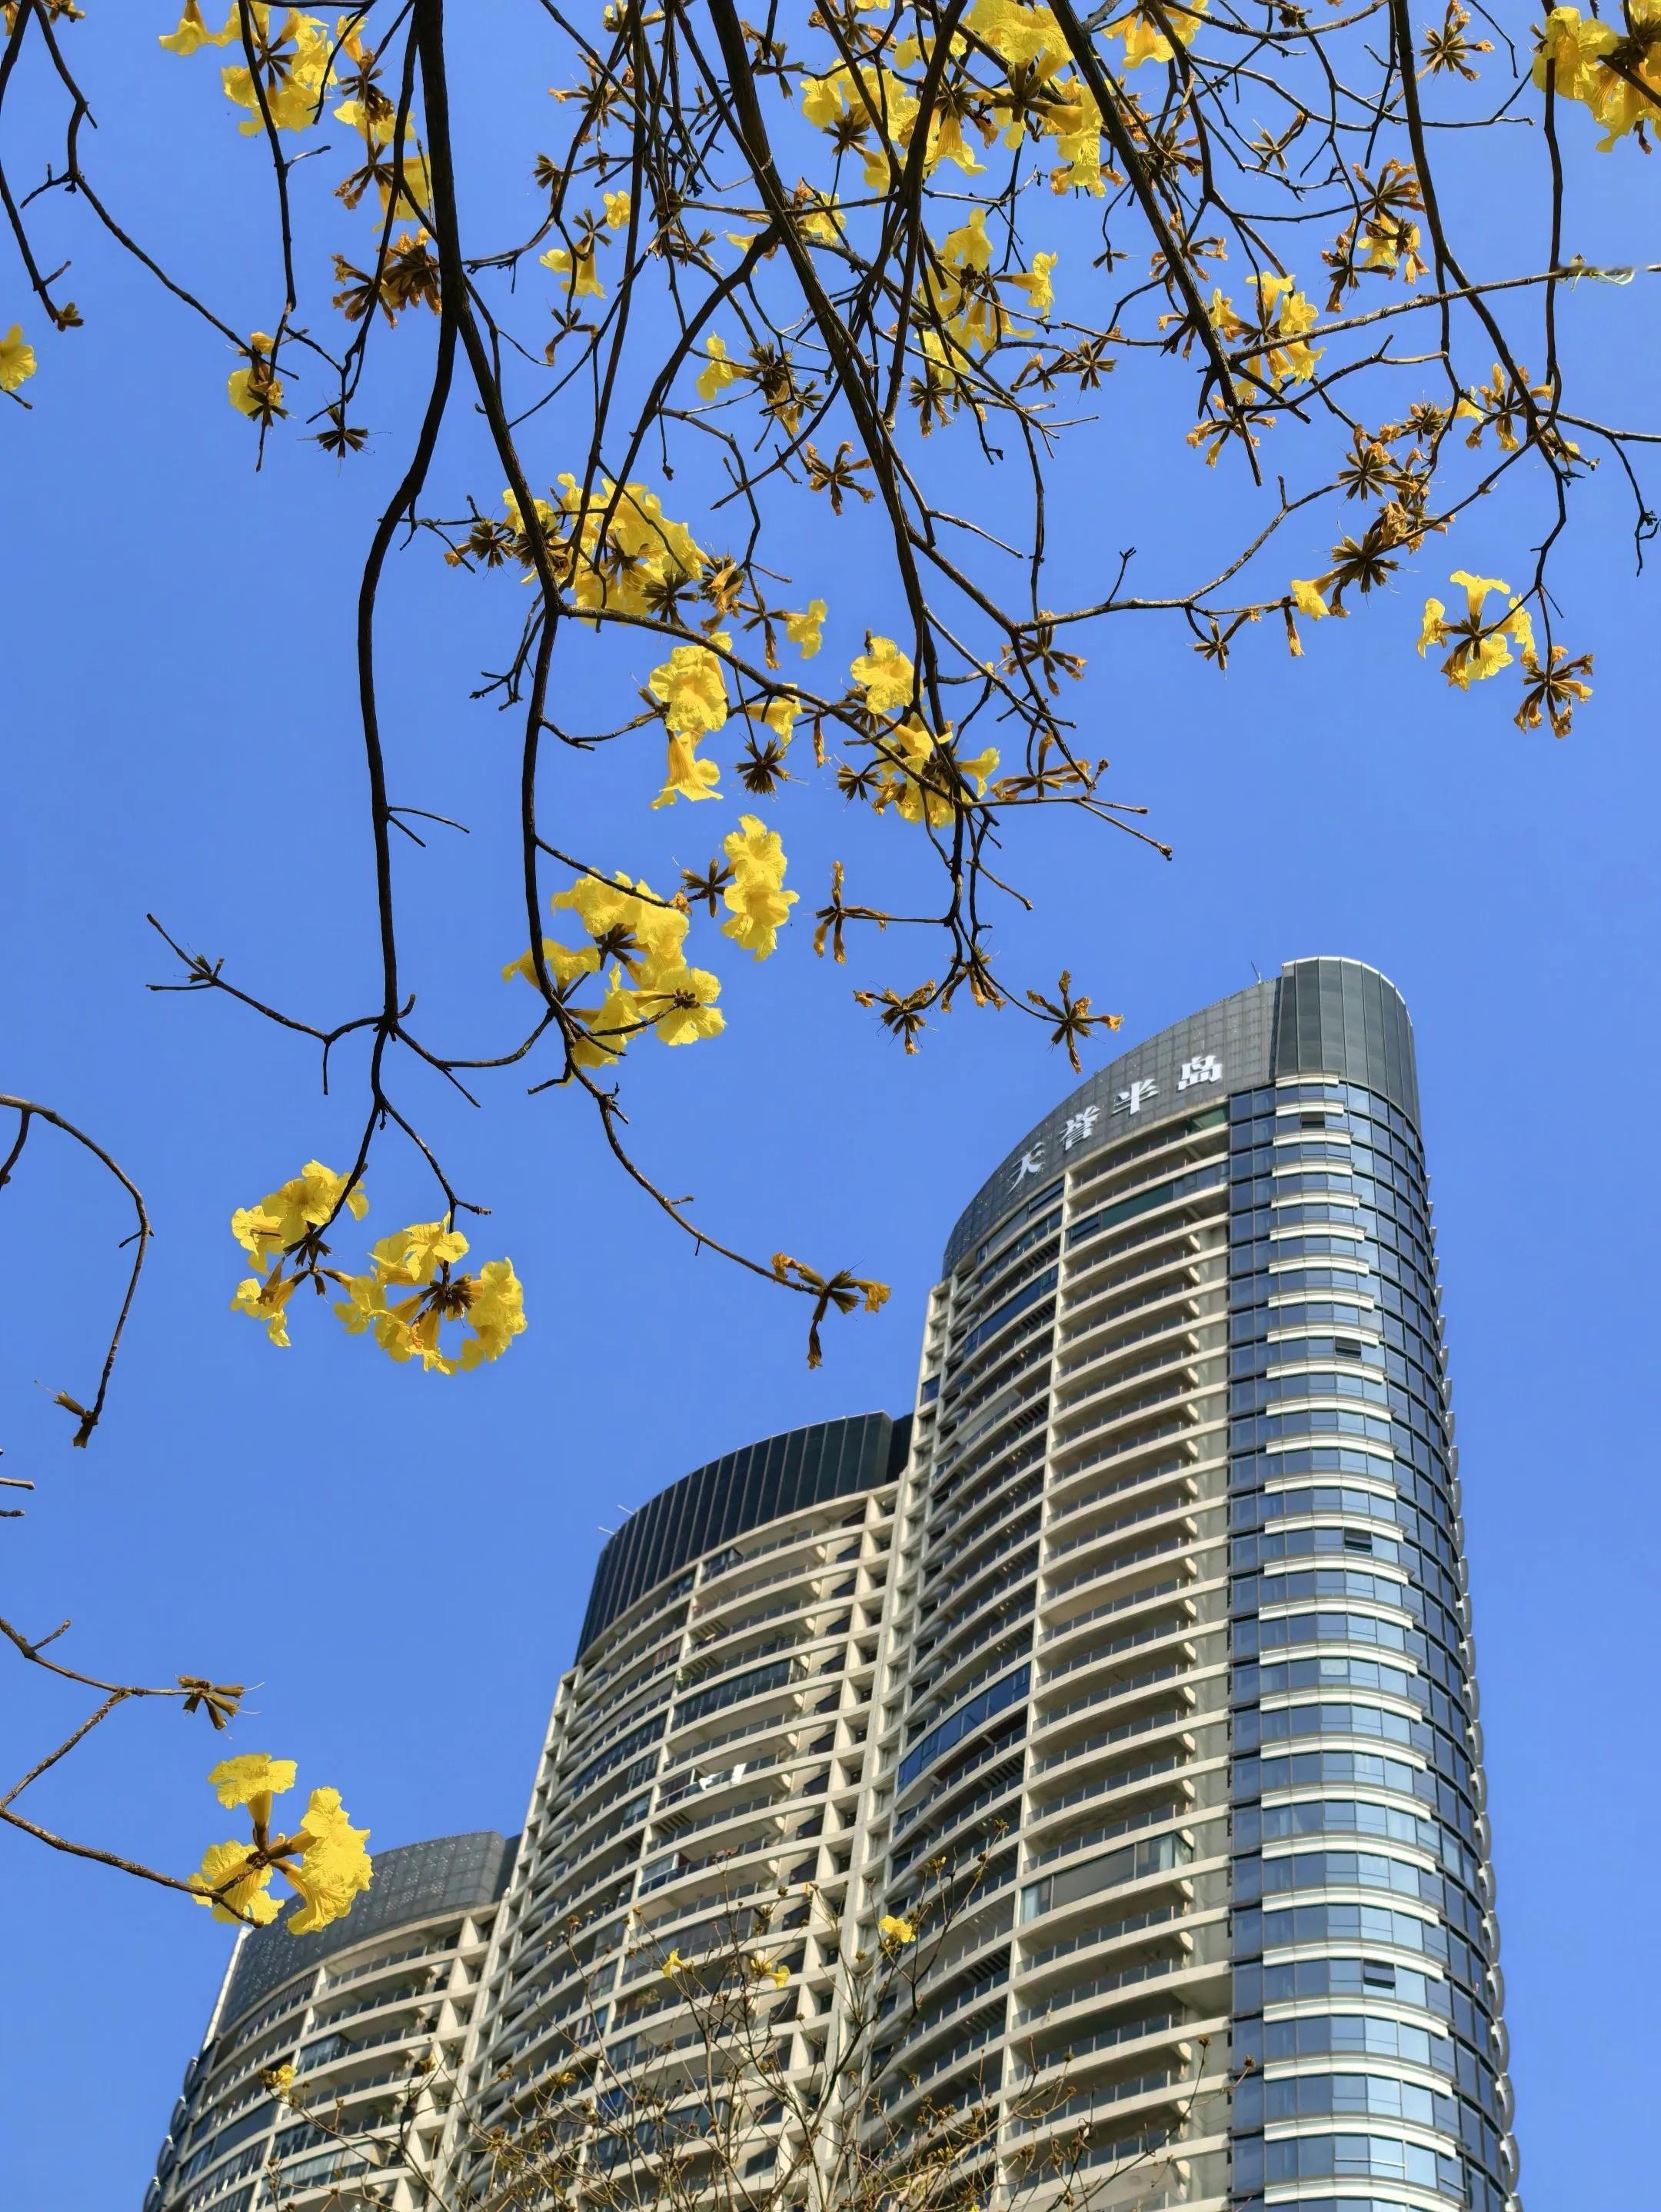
(1040, 293)
(333, 1868)
(824, 99)
(609, 1026)
(576, 265)
(968, 246)
(563, 964)
(884, 674)
(284, 1216)
(1306, 598)
(720, 373)
(755, 898)
(803, 631)
(496, 1316)
(252, 1778)
(619, 206)
(895, 1930)
(193, 32)
(246, 1897)
(1572, 50)
(693, 689)
(680, 1004)
(1144, 41)
(769, 1969)
(687, 776)
(324, 1860)
(266, 1301)
(948, 143)
(252, 390)
(674, 1964)
(17, 359)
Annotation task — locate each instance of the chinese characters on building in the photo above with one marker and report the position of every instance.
(1204, 1067)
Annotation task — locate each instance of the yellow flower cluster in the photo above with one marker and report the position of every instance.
(617, 550)
(1284, 319)
(420, 1260)
(324, 1861)
(1480, 647)
(755, 898)
(286, 1227)
(1038, 95)
(637, 949)
(895, 1931)
(975, 314)
(297, 63)
(922, 776)
(1614, 71)
(284, 1235)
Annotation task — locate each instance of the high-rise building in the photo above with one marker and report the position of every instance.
(712, 1742)
(1151, 1618)
(351, 2008)
(1180, 1618)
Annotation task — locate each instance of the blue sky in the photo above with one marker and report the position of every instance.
(400, 1564)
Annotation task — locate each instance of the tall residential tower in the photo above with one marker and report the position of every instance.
(1180, 1601)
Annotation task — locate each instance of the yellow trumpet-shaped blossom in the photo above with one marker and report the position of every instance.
(1307, 599)
(576, 265)
(619, 207)
(679, 1002)
(885, 674)
(1036, 282)
(252, 389)
(755, 899)
(193, 32)
(564, 966)
(1029, 38)
(1144, 38)
(323, 1860)
(288, 1215)
(804, 631)
(692, 687)
(1480, 647)
(1620, 88)
(720, 372)
(17, 359)
(895, 1930)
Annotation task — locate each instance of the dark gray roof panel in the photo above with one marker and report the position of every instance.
(738, 1491)
(413, 1881)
